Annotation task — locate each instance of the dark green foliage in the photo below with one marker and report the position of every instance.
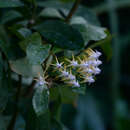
(66, 38)
(32, 33)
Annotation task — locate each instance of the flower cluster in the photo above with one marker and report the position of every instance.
(86, 66)
(41, 80)
(65, 75)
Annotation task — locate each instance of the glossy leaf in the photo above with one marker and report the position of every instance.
(37, 53)
(51, 13)
(35, 38)
(12, 51)
(10, 3)
(61, 34)
(10, 15)
(23, 67)
(89, 31)
(40, 100)
(24, 32)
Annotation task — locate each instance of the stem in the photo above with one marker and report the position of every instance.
(73, 10)
(13, 120)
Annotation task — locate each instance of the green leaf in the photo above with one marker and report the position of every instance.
(80, 90)
(35, 38)
(12, 51)
(24, 32)
(40, 100)
(37, 53)
(21, 33)
(61, 34)
(10, 3)
(51, 13)
(10, 15)
(88, 31)
(83, 11)
(23, 67)
(41, 122)
(66, 93)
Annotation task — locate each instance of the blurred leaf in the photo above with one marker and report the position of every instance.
(61, 34)
(37, 53)
(10, 15)
(20, 123)
(56, 125)
(21, 33)
(56, 49)
(12, 51)
(66, 93)
(24, 32)
(10, 3)
(35, 38)
(80, 90)
(65, 7)
(4, 121)
(51, 13)
(23, 67)
(89, 32)
(40, 100)
(41, 122)
(89, 117)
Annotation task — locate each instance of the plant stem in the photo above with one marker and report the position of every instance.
(72, 11)
(13, 120)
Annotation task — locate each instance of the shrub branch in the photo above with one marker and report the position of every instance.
(73, 10)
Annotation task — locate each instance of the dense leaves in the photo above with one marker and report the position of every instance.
(67, 37)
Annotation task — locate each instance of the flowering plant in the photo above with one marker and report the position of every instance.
(45, 52)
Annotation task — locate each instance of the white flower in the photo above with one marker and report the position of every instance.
(93, 54)
(41, 81)
(90, 79)
(98, 53)
(74, 83)
(73, 63)
(58, 65)
(64, 73)
(96, 62)
(71, 77)
(87, 70)
(97, 70)
(84, 64)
